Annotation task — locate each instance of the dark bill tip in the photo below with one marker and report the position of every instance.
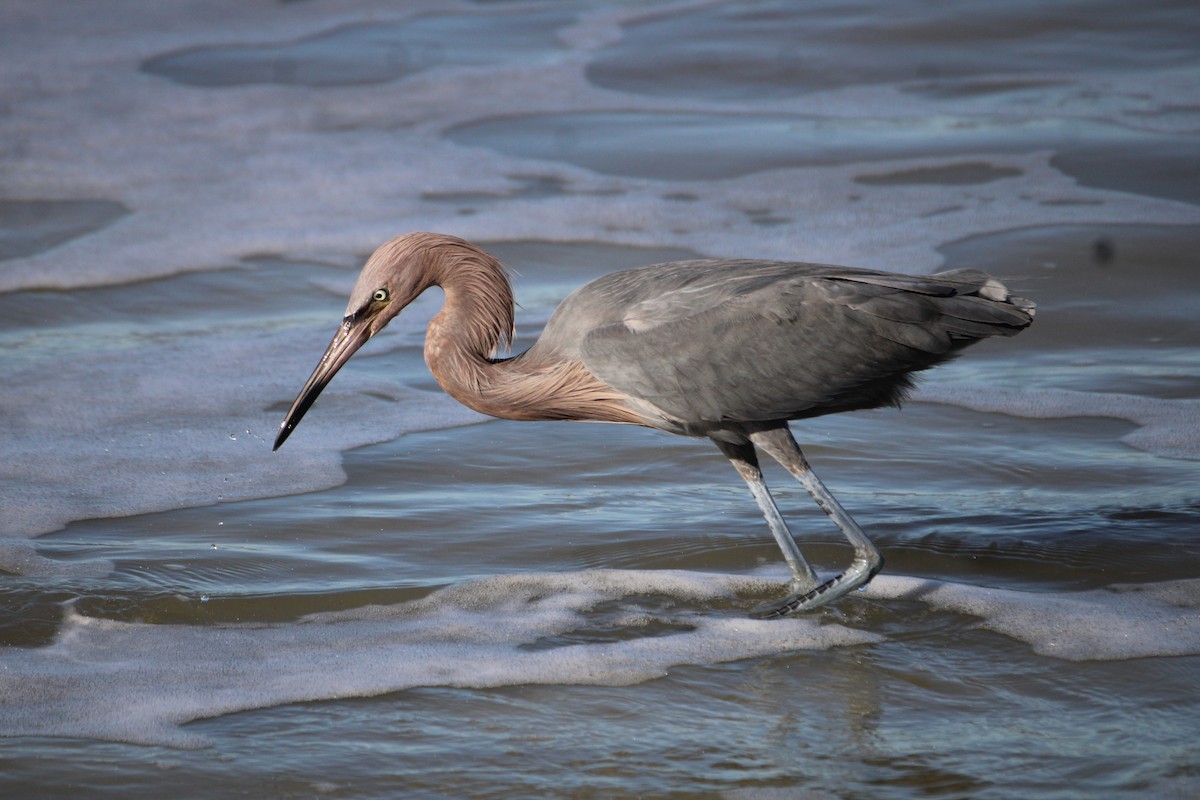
(349, 337)
(285, 431)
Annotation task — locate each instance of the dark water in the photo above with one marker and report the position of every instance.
(411, 600)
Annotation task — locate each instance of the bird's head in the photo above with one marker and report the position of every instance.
(393, 277)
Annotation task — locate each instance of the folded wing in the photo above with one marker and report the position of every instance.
(718, 341)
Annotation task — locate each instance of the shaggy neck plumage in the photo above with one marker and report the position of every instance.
(465, 337)
(476, 321)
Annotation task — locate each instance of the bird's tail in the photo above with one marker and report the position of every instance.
(982, 306)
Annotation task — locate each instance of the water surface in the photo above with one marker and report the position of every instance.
(412, 600)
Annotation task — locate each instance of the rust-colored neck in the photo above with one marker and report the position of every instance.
(477, 320)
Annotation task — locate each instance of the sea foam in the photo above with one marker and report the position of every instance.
(206, 177)
(1166, 427)
(139, 683)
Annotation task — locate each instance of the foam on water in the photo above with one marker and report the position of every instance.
(136, 682)
(31, 226)
(1167, 427)
(1027, 39)
(209, 176)
(370, 52)
(136, 175)
(345, 168)
(148, 423)
(1118, 622)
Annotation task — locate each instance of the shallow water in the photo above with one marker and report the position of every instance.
(411, 600)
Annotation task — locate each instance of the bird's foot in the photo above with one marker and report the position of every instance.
(859, 574)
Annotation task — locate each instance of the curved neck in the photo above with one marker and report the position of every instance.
(474, 324)
(477, 320)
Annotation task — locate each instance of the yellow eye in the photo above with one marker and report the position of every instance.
(380, 296)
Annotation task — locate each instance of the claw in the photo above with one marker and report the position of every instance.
(859, 574)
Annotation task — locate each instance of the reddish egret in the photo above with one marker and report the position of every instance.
(727, 349)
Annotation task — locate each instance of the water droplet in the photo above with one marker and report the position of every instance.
(203, 598)
(233, 436)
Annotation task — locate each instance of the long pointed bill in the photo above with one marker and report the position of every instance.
(350, 336)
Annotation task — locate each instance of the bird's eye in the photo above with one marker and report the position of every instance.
(380, 296)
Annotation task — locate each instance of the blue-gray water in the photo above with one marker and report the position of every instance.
(411, 600)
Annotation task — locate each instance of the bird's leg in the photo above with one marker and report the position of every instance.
(779, 444)
(745, 461)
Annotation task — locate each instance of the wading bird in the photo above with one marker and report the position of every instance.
(725, 349)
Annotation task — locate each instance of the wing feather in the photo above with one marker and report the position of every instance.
(751, 341)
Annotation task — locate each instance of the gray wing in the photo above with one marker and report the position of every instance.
(709, 342)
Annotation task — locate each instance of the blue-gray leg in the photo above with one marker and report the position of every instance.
(745, 461)
(779, 444)
(807, 591)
